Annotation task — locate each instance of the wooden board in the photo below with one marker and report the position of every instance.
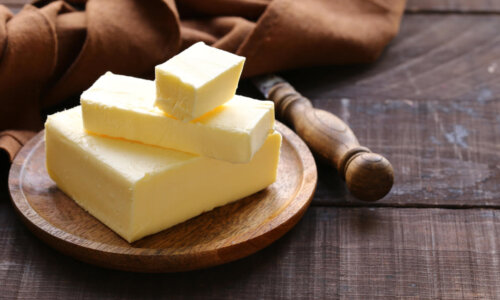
(15, 5)
(430, 107)
(412, 6)
(444, 152)
(454, 6)
(219, 236)
(332, 253)
(454, 57)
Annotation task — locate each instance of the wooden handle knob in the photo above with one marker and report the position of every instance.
(369, 176)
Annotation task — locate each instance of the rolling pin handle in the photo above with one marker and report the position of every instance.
(369, 176)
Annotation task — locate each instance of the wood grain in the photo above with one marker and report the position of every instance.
(333, 253)
(413, 6)
(225, 234)
(452, 57)
(14, 5)
(453, 6)
(445, 153)
(430, 105)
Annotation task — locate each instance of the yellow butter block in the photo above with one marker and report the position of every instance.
(122, 106)
(137, 190)
(197, 80)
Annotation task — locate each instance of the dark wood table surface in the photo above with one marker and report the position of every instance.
(431, 105)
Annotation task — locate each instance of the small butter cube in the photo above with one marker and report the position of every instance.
(138, 190)
(122, 106)
(196, 81)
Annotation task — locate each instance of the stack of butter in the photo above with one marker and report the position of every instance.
(142, 156)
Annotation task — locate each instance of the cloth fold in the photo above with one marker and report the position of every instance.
(52, 50)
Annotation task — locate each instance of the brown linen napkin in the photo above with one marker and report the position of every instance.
(52, 50)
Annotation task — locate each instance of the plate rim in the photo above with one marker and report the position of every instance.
(61, 239)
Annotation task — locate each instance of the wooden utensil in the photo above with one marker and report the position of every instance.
(225, 234)
(369, 176)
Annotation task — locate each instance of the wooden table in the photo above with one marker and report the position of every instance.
(431, 105)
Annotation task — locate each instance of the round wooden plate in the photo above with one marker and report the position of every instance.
(225, 234)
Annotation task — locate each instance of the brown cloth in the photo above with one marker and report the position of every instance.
(52, 50)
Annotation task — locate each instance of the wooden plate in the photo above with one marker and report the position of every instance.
(219, 236)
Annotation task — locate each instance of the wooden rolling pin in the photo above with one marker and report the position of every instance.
(369, 176)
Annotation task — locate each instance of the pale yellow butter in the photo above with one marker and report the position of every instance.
(197, 80)
(138, 190)
(122, 106)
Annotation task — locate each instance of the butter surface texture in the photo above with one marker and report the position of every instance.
(197, 80)
(122, 106)
(138, 190)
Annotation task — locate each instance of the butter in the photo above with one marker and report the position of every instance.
(197, 80)
(122, 106)
(138, 190)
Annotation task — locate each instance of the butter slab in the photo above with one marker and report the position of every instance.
(122, 106)
(196, 81)
(138, 190)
